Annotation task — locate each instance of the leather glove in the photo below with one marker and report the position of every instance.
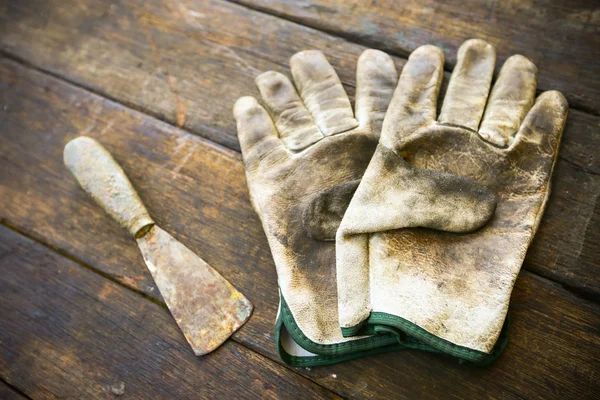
(305, 140)
(435, 235)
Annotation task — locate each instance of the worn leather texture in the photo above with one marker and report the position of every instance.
(303, 140)
(412, 247)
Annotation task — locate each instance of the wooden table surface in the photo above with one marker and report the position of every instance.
(155, 81)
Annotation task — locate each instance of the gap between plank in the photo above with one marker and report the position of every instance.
(578, 167)
(39, 240)
(14, 388)
(575, 291)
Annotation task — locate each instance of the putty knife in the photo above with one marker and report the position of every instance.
(207, 308)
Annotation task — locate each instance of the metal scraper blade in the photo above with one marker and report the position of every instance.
(207, 308)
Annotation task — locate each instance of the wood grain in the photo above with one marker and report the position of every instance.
(186, 62)
(181, 61)
(561, 38)
(67, 332)
(196, 191)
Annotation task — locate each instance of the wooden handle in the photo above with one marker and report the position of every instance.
(100, 175)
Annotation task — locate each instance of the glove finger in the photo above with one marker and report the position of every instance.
(295, 124)
(469, 85)
(540, 133)
(512, 96)
(322, 92)
(257, 134)
(415, 98)
(376, 79)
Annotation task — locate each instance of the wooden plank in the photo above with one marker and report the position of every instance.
(185, 62)
(67, 332)
(566, 248)
(196, 190)
(561, 38)
(163, 57)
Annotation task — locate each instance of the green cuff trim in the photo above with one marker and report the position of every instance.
(335, 349)
(407, 330)
(320, 360)
(386, 333)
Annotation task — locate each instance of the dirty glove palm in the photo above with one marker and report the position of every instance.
(307, 140)
(435, 235)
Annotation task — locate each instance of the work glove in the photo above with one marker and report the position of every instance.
(305, 140)
(435, 235)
